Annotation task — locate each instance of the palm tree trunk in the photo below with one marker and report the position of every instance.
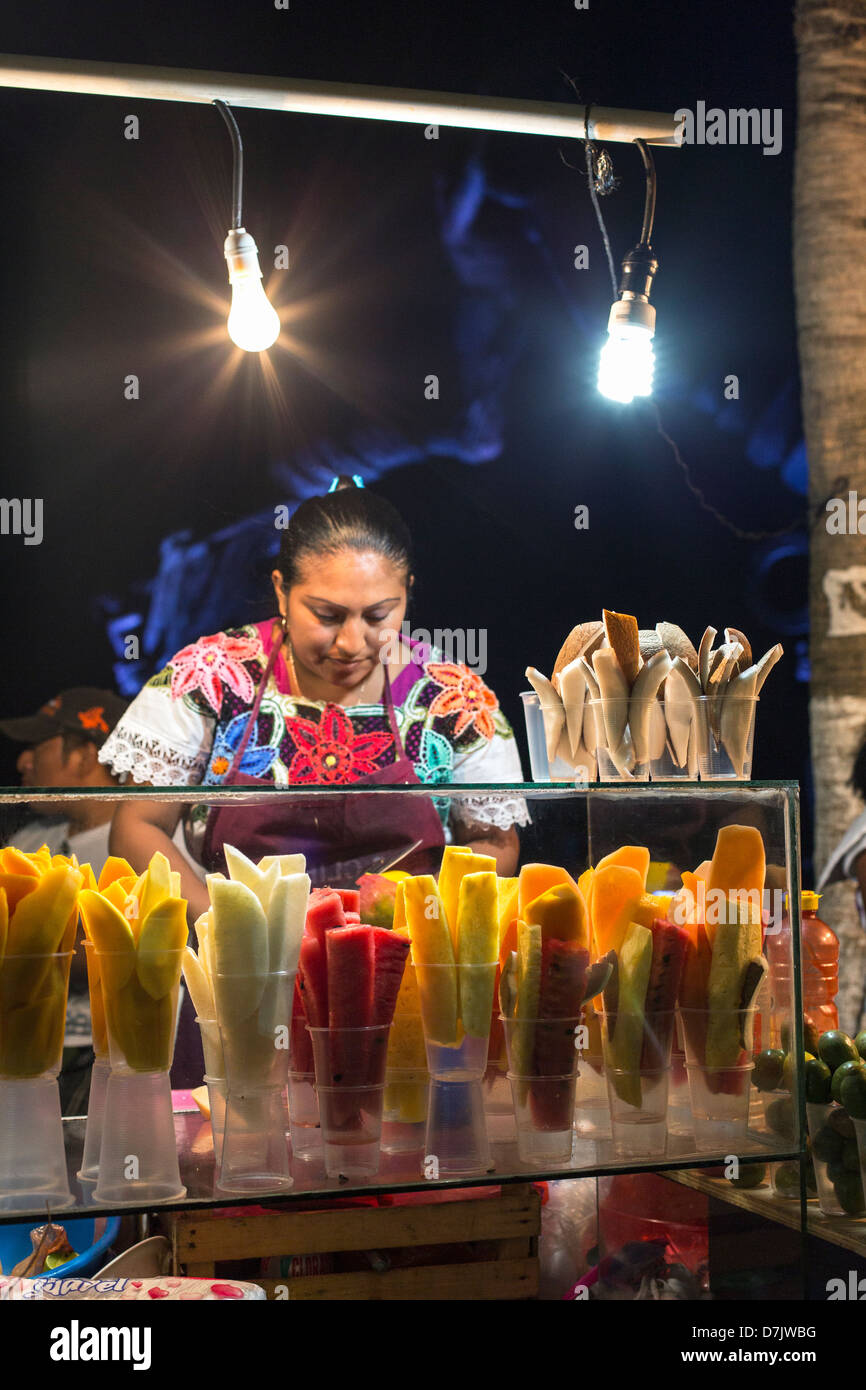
(830, 285)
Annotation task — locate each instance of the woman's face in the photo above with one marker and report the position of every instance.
(345, 606)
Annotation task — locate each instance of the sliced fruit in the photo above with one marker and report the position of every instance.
(286, 914)
(507, 890)
(39, 922)
(669, 952)
(629, 856)
(160, 945)
(561, 914)
(314, 981)
(456, 864)
(625, 1040)
(535, 879)
(240, 949)
(391, 951)
(736, 943)
(739, 861)
(350, 953)
(616, 892)
(113, 868)
(528, 998)
(112, 937)
(16, 887)
(431, 946)
(198, 985)
(14, 861)
(324, 911)
(477, 947)
(376, 897)
(286, 863)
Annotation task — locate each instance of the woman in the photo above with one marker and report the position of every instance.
(848, 861)
(304, 698)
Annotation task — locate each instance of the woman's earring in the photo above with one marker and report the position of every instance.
(285, 624)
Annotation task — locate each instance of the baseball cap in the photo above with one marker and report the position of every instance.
(82, 710)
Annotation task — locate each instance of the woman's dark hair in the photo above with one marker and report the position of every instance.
(857, 780)
(349, 518)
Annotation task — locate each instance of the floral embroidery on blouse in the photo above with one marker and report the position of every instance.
(257, 761)
(331, 751)
(207, 663)
(464, 694)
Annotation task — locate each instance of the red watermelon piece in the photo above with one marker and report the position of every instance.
(353, 919)
(377, 894)
(314, 981)
(324, 912)
(671, 945)
(351, 899)
(351, 957)
(563, 984)
(391, 953)
(301, 1053)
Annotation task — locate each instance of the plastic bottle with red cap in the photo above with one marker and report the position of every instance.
(819, 956)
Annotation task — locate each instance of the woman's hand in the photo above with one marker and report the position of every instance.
(502, 845)
(140, 828)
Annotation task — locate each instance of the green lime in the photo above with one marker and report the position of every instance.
(840, 1121)
(846, 1069)
(860, 1044)
(767, 1075)
(849, 1192)
(827, 1145)
(789, 1070)
(834, 1048)
(852, 1093)
(751, 1175)
(780, 1116)
(817, 1076)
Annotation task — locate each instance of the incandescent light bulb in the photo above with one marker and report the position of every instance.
(253, 322)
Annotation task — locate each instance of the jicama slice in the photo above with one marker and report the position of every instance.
(552, 709)
(240, 949)
(431, 946)
(572, 690)
(259, 881)
(286, 863)
(198, 984)
(286, 913)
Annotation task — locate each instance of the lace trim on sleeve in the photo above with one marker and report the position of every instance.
(149, 759)
(488, 809)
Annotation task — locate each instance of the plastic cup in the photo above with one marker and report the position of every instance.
(32, 1158)
(33, 993)
(405, 1110)
(679, 1098)
(838, 1158)
(727, 756)
(350, 1084)
(720, 1095)
(456, 1143)
(138, 1156)
(543, 770)
(255, 1015)
(98, 1025)
(630, 736)
(89, 1170)
(216, 1094)
(212, 1047)
(544, 1098)
(141, 1028)
(638, 1110)
(304, 1128)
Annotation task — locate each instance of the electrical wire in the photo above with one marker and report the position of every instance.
(649, 210)
(237, 163)
(590, 175)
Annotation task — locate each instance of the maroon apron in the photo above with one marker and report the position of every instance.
(342, 835)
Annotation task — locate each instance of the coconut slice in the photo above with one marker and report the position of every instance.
(679, 713)
(581, 641)
(591, 683)
(704, 654)
(552, 710)
(613, 693)
(572, 691)
(737, 713)
(650, 642)
(733, 634)
(766, 664)
(621, 630)
(641, 702)
(675, 641)
(723, 667)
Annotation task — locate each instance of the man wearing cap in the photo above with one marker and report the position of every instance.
(62, 741)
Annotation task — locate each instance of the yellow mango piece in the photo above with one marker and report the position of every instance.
(16, 887)
(160, 946)
(155, 884)
(630, 857)
(39, 922)
(86, 871)
(13, 861)
(114, 868)
(112, 937)
(616, 892)
(397, 875)
(739, 860)
(477, 945)
(399, 923)
(406, 1039)
(648, 909)
(506, 893)
(561, 914)
(584, 883)
(456, 863)
(431, 946)
(535, 879)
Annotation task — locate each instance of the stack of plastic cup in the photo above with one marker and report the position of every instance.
(350, 1084)
(138, 1156)
(456, 1141)
(255, 1015)
(638, 1068)
(304, 1128)
(89, 1170)
(720, 1095)
(215, 1080)
(33, 991)
(543, 1099)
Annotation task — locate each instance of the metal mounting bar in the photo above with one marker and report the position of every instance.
(336, 99)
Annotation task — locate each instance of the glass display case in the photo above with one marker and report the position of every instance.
(712, 1132)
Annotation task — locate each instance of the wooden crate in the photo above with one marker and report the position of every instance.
(507, 1224)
